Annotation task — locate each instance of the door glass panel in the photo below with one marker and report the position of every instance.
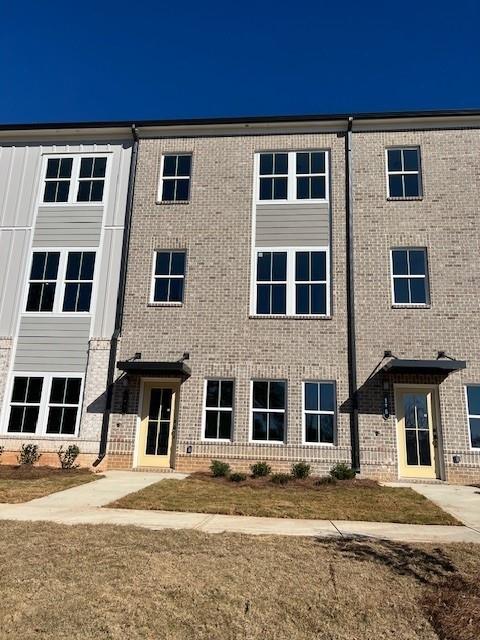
(411, 441)
(166, 404)
(151, 438)
(162, 444)
(409, 409)
(158, 428)
(424, 447)
(155, 399)
(422, 414)
(417, 429)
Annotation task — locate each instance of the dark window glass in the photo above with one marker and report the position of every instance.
(403, 167)
(326, 428)
(264, 265)
(259, 426)
(176, 178)
(279, 299)
(181, 193)
(91, 179)
(327, 399)
(266, 164)
(73, 265)
(475, 432)
(169, 165)
(302, 299)
(319, 265)
(211, 424)
(276, 423)
(162, 263)
(416, 259)
(280, 163)
(417, 291)
(41, 295)
(19, 393)
(176, 290)
(178, 263)
(401, 292)
(170, 265)
(218, 423)
(279, 188)
(412, 287)
(213, 389)
(24, 410)
(225, 425)
(226, 395)
(311, 396)
(260, 395)
(396, 186)
(318, 162)
(319, 397)
(266, 188)
(168, 191)
(410, 159)
(318, 187)
(302, 265)
(56, 189)
(303, 163)
(184, 164)
(411, 184)
(394, 160)
(277, 395)
(303, 188)
(279, 266)
(473, 395)
(400, 263)
(311, 427)
(86, 167)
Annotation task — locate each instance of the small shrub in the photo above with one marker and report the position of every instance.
(342, 471)
(301, 470)
(28, 454)
(260, 469)
(236, 476)
(325, 480)
(281, 478)
(219, 469)
(68, 456)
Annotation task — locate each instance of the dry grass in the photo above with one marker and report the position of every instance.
(23, 483)
(346, 500)
(76, 582)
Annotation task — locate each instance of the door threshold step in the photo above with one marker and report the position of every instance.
(155, 469)
(420, 481)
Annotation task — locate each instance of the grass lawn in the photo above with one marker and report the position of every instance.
(23, 483)
(93, 581)
(346, 500)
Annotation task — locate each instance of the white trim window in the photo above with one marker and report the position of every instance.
(409, 276)
(61, 281)
(291, 281)
(473, 412)
(63, 406)
(404, 179)
(175, 177)
(319, 412)
(292, 176)
(74, 179)
(45, 404)
(25, 404)
(168, 278)
(218, 409)
(269, 401)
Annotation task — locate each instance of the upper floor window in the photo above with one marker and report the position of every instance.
(409, 276)
(175, 180)
(74, 179)
(168, 276)
(73, 269)
(269, 401)
(218, 410)
(292, 282)
(319, 412)
(293, 175)
(403, 173)
(473, 411)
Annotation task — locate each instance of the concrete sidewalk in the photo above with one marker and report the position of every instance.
(82, 505)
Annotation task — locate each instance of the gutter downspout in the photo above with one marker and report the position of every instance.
(352, 354)
(120, 301)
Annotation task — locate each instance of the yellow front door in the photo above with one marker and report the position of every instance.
(416, 432)
(156, 425)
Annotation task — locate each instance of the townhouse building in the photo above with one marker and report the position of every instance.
(296, 288)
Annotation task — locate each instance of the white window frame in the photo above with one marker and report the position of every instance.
(418, 173)
(425, 277)
(41, 431)
(290, 282)
(61, 282)
(253, 410)
(161, 178)
(227, 409)
(318, 413)
(292, 177)
(470, 415)
(74, 179)
(160, 303)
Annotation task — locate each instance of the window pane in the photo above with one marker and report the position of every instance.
(62, 191)
(48, 296)
(57, 393)
(311, 427)
(51, 268)
(84, 297)
(38, 265)
(225, 428)
(279, 299)
(176, 290)
(30, 420)
(213, 387)
(400, 264)
(327, 399)
(54, 421)
(318, 188)
(34, 297)
(400, 288)
(318, 162)
(411, 444)
(53, 165)
(183, 166)
(394, 160)
(280, 163)
(303, 188)
(395, 186)
(168, 191)
(319, 265)
(169, 165)
(412, 188)
(72, 395)
(263, 298)
(311, 396)
(162, 263)
(280, 188)
(418, 294)
(69, 420)
(417, 262)
(410, 159)
(16, 419)
(96, 193)
(326, 428)
(277, 395)
(50, 192)
(424, 447)
(178, 263)
(276, 426)
(302, 267)
(182, 190)
(65, 168)
(34, 392)
(303, 163)
(73, 265)
(264, 262)
(211, 418)
(279, 267)
(70, 298)
(266, 188)
(475, 431)
(88, 265)
(319, 299)
(260, 391)
(302, 303)
(226, 395)
(266, 164)
(84, 190)
(259, 426)
(160, 293)
(473, 395)
(19, 393)
(99, 167)
(86, 168)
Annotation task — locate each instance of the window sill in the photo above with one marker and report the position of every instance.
(281, 317)
(411, 306)
(165, 304)
(170, 202)
(409, 199)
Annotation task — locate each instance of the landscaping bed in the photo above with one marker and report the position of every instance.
(63, 582)
(309, 498)
(25, 482)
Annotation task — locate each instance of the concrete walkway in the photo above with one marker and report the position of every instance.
(82, 505)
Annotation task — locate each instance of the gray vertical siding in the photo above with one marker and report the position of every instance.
(292, 225)
(14, 255)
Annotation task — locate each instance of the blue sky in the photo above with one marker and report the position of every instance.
(106, 59)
